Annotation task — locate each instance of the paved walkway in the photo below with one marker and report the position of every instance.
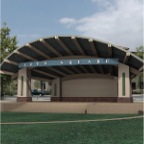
(136, 98)
(74, 121)
(34, 98)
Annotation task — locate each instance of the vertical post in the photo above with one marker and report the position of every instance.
(124, 88)
(60, 89)
(41, 85)
(56, 90)
(24, 85)
(130, 86)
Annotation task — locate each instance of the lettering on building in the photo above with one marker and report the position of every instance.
(65, 62)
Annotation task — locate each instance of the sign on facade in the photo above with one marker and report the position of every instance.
(70, 62)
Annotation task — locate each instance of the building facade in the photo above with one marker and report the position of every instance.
(79, 68)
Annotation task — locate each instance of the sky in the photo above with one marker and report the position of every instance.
(119, 22)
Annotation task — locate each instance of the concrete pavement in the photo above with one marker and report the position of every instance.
(136, 98)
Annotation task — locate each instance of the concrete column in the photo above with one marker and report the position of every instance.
(24, 85)
(56, 90)
(124, 89)
(130, 87)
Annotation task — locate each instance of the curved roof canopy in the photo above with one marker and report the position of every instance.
(68, 47)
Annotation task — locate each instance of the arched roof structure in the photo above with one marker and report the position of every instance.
(69, 47)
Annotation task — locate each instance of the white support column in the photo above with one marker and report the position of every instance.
(56, 89)
(24, 85)
(124, 89)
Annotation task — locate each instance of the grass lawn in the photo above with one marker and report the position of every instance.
(108, 132)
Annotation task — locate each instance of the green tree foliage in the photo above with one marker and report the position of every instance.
(10, 88)
(140, 51)
(37, 84)
(8, 44)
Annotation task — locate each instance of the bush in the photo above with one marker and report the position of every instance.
(10, 89)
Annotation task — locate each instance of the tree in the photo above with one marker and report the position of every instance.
(140, 51)
(37, 84)
(10, 88)
(8, 44)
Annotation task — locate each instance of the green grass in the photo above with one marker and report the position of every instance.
(30, 117)
(110, 132)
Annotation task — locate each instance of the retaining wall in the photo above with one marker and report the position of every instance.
(73, 107)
